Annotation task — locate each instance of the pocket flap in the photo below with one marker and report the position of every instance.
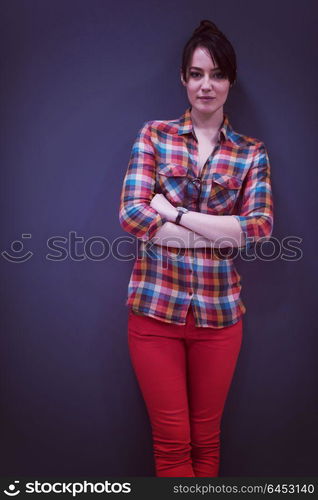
(227, 181)
(172, 170)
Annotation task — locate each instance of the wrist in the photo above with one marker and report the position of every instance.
(172, 215)
(182, 211)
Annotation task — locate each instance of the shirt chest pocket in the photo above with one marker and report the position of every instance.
(225, 190)
(171, 180)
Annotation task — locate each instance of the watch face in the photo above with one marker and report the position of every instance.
(184, 210)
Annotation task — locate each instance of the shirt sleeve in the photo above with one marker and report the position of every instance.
(136, 216)
(256, 206)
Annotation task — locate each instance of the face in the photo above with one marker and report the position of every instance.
(205, 79)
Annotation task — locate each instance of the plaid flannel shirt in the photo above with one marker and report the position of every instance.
(235, 180)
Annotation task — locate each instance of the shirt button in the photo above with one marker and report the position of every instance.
(190, 293)
(191, 271)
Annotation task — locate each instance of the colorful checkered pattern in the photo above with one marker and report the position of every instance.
(234, 181)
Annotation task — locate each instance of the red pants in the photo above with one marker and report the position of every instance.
(184, 373)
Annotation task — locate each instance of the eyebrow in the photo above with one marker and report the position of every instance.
(196, 67)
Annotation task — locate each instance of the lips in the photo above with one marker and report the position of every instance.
(207, 98)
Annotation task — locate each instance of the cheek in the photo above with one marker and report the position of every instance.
(223, 92)
(191, 90)
(192, 87)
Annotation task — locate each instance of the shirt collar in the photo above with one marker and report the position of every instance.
(186, 125)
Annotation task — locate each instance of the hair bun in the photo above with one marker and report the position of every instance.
(206, 26)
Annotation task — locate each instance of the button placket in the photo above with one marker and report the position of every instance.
(190, 264)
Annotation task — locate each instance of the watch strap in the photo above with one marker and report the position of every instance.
(181, 210)
(180, 214)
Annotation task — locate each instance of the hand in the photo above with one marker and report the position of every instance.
(160, 203)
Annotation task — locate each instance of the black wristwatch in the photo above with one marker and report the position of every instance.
(181, 211)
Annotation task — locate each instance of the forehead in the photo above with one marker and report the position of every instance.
(202, 59)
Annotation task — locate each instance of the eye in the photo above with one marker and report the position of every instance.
(219, 75)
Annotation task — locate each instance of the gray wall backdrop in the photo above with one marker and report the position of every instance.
(78, 79)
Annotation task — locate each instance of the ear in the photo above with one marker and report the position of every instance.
(182, 79)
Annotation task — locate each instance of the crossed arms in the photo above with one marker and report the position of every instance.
(150, 216)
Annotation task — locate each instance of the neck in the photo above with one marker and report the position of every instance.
(207, 123)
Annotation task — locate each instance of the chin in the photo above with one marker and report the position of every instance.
(206, 108)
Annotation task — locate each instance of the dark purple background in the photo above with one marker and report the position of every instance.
(78, 79)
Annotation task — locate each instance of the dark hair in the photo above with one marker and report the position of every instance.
(208, 35)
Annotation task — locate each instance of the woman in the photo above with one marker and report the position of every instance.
(194, 193)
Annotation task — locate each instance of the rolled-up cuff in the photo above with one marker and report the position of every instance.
(250, 241)
(157, 222)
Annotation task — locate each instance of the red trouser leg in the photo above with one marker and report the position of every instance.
(184, 373)
(211, 365)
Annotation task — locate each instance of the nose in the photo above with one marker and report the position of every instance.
(207, 83)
